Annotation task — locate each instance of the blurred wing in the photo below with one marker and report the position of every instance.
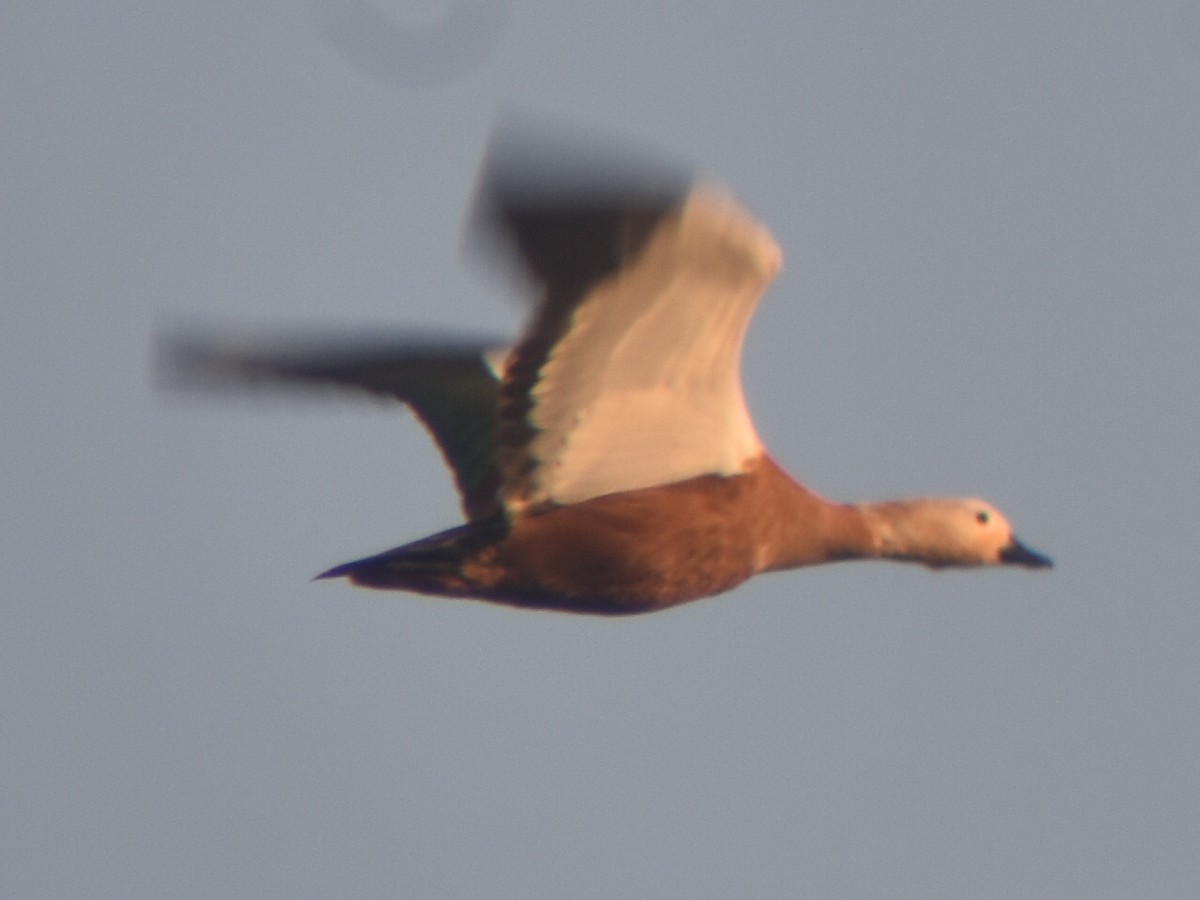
(628, 376)
(451, 388)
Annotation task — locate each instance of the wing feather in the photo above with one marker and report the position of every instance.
(450, 387)
(628, 376)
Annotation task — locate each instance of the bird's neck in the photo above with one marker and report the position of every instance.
(802, 528)
(899, 531)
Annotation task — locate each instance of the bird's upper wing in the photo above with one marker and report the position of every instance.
(626, 377)
(450, 386)
(628, 374)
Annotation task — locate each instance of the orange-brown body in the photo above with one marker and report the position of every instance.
(630, 552)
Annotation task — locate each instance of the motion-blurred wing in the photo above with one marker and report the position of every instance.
(451, 388)
(628, 375)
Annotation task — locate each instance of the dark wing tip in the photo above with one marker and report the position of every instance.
(560, 196)
(447, 382)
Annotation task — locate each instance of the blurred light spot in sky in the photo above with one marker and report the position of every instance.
(415, 50)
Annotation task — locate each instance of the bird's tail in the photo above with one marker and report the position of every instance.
(432, 565)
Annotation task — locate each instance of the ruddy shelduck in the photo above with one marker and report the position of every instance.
(607, 463)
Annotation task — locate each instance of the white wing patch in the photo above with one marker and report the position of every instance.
(644, 388)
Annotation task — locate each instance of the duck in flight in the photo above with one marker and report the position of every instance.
(607, 463)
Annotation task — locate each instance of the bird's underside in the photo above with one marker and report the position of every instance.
(622, 553)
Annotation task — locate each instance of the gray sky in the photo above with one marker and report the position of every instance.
(991, 222)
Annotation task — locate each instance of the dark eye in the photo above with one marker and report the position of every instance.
(982, 517)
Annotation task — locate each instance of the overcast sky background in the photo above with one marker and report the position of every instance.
(991, 227)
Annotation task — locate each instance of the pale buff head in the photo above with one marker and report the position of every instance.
(948, 531)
